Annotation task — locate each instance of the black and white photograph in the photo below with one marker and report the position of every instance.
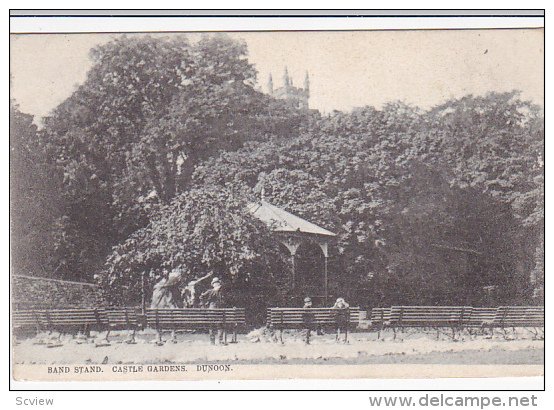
(227, 204)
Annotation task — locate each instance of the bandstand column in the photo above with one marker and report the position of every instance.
(293, 261)
(326, 281)
(292, 245)
(325, 249)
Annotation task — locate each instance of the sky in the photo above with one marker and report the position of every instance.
(347, 68)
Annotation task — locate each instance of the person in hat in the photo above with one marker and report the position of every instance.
(342, 316)
(308, 318)
(340, 304)
(213, 299)
(189, 295)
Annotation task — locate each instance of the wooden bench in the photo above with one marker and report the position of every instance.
(379, 319)
(70, 320)
(312, 319)
(26, 320)
(227, 319)
(435, 317)
(63, 320)
(124, 318)
(479, 318)
(74, 320)
(518, 316)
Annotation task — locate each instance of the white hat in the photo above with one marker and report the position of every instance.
(215, 280)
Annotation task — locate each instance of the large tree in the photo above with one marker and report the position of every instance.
(35, 204)
(150, 110)
(495, 144)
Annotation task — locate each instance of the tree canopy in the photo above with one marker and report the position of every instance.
(35, 208)
(151, 162)
(128, 139)
(426, 211)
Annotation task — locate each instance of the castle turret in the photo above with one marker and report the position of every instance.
(286, 78)
(270, 84)
(295, 96)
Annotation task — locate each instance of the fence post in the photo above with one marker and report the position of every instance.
(143, 296)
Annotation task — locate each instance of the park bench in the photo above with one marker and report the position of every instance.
(74, 320)
(479, 318)
(61, 320)
(227, 319)
(70, 320)
(530, 317)
(312, 319)
(124, 318)
(379, 319)
(28, 320)
(434, 317)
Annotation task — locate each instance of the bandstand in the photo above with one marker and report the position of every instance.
(293, 231)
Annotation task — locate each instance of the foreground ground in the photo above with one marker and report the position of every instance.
(414, 347)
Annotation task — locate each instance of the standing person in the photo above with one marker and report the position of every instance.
(162, 297)
(189, 292)
(341, 317)
(308, 318)
(173, 281)
(213, 299)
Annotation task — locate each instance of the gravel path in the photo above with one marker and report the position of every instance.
(362, 348)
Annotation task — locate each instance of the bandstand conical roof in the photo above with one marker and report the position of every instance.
(283, 221)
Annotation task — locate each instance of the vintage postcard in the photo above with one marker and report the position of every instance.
(277, 204)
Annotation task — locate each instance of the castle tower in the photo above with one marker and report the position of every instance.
(270, 84)
(286, 78)
(295, 96)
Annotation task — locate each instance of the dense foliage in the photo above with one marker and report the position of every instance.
(128, 138)
(203, 230)
(151, 164)
(435, 207)
(36, 211)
